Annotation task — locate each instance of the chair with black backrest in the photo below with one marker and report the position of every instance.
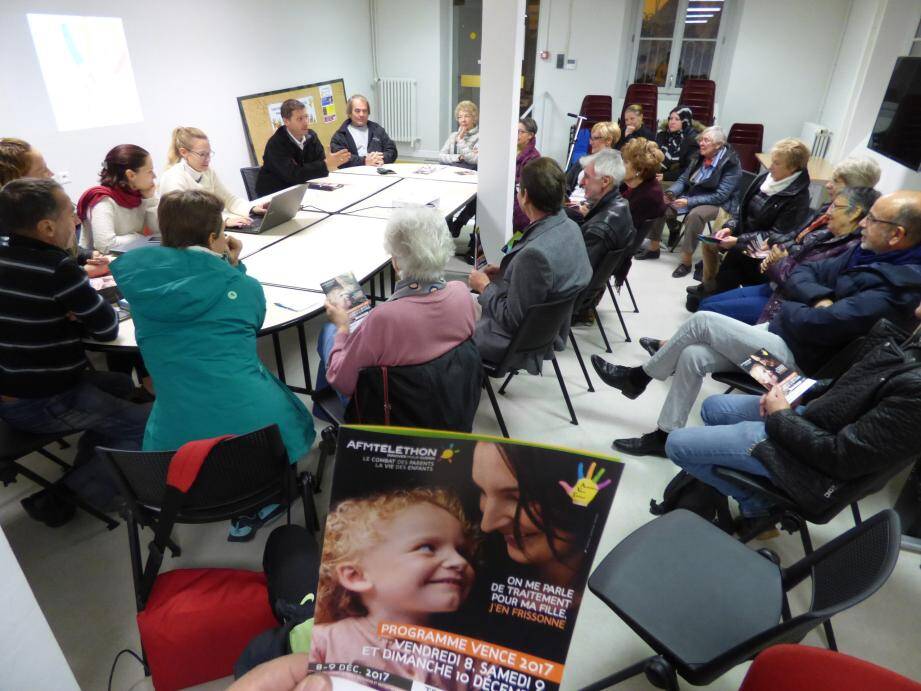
(591, 296)
(535, 336)
(238, 477)
(595, 108)
(391, 396)
(793, 518)
(16, 445)
(249, 180)
(646, 227)
(705, 602)
(646, 95)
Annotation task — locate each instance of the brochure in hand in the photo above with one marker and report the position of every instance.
(758, 247)
(345, 291)
(455, 562)
(768, 370)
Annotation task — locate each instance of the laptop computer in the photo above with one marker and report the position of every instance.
(281, 209)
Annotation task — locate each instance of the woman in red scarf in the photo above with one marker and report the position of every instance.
(123, 207)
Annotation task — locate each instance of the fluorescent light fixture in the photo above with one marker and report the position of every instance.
(698, 16)
(87, 70)
(704, 9)
(695, 21)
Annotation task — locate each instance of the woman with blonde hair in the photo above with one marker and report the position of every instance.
(189, 168)
(462, 147)
(642, 162)
(604, 135)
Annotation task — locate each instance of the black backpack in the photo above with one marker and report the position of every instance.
(685, 491)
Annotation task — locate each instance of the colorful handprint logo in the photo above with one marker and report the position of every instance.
(449, 453)
(586, 487)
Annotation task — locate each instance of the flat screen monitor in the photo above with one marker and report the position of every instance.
(897, 132)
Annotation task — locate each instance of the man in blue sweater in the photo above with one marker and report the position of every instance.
(827, 305)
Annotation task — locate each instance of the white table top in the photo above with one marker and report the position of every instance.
(254, 243)
(339, 244)
(420, 171)
(450, 195)
(293, 259)
(283, 306)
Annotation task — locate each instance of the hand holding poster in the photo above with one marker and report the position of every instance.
(767, 369)
(455, 562)
(345, 291)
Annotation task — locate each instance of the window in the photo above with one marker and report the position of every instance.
(677, 40)
(916, 43)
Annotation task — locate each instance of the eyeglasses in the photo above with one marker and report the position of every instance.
(840, 206)
(598, 137)
(873, 219)
(203, 155)
(522, 131)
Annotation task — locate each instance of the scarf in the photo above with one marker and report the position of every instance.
(128, 199)
(770, 186)
(407, 287)
(862, 257)
(673, 140)
(820, 221)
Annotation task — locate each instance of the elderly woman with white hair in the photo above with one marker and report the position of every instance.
(852, 172)
(707, 184)
(423, 319)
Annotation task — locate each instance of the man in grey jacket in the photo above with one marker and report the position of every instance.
(546, 261)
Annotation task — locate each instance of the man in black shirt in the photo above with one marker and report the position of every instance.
(47, 306)
(294, 154)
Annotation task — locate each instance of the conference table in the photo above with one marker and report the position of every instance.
(340, 229)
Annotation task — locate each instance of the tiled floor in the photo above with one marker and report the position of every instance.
(81, 576)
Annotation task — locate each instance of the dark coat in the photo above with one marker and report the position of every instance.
(549, 263)
(378, 140)
(284, 163)
(686, 149)
(862, 295)
(643, 132)
(608, 227)
(716, 190)
(779, 216)
(520, 219)
(864, 425)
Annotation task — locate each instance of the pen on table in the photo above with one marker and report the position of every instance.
(285, 307)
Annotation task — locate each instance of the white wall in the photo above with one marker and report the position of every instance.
(191, 61)
(413, 41)
(887, 34)
(780, 68)
(599, 32)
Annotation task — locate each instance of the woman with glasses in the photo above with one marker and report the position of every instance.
(189, 168)
(527, 152)
(122, 208)
(604, 136)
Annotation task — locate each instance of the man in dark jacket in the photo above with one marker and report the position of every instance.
(709, 182)
(294, 154)
(608, 226)
(827, 305)
(367, 142)
(861, 427)
(545, 262)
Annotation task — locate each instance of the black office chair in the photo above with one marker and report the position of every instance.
(249, 181)
(591, 296)
(15, 445)
(240, 476)
(391, 396)
(705, 603)
(535, 336)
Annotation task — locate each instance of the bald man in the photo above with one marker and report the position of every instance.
(827, 304)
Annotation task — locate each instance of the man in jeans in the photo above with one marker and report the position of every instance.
(827, 305)
(47, 306)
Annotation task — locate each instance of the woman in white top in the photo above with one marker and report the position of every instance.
(123, 207)
(462, 147)
(189, 168)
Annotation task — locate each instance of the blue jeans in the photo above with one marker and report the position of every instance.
(733, 426)
(325, 344)
(97, 406)
(745, 303)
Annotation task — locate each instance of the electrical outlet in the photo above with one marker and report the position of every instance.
(63, 177)
(570, 64)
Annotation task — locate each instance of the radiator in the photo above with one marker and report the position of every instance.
(398, 108)
(817, 138)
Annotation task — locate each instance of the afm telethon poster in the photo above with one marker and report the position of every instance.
(453, 561)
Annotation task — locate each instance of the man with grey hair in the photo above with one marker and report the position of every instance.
(708, 183)
(608, 226)
(367, 142)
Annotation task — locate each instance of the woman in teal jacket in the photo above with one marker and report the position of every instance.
(197, 315)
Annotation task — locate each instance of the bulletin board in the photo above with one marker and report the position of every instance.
(261, 113)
